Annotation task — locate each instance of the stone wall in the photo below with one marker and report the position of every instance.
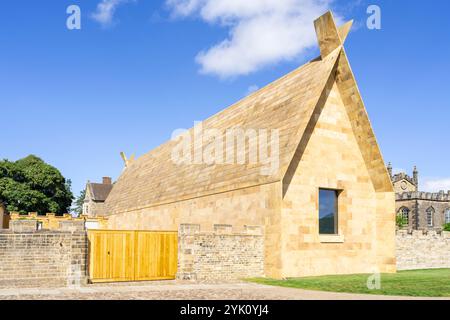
(51, 221)
(221, 254)
(255, 206)
(418, 203)
(422, 250)
(94, 209)
(31, 258)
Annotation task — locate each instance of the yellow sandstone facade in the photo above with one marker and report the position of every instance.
(325, 142)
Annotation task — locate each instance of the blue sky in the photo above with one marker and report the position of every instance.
(133, 75)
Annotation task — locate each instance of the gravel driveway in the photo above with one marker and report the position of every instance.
(174, 290)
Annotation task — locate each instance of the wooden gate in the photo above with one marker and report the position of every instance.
(132, 255)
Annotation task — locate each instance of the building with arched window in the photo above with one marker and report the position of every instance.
(404, 212)
(422, 210)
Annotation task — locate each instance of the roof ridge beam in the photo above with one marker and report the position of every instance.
(329, 36)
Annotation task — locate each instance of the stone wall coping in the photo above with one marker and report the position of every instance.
(38, 232)
(66, 216)
(419, 195)
(218, 234)
(221, 229)
(423, 233)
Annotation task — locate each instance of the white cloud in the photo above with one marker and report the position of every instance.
(436, 185)
(261, 32)
(105, 11)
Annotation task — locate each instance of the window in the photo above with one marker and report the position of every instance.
(328, 212)
(447, 216)
(404, 212)
(430, 214)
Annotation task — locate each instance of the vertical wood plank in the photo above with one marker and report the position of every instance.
(132, 255)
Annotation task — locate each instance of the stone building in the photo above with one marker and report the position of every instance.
(421, 210)
(327, 204)
(96, 194)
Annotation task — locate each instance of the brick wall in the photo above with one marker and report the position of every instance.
(220, 254)
(30, 258)
(422, 250)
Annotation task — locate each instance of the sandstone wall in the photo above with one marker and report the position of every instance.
(96, 209)
(258, 205)
(30, 258)
(221, 254)
(332, 159)
(422, 250)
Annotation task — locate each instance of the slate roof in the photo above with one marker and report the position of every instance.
(100, 191)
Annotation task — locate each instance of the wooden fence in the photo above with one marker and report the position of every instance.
(116, 255)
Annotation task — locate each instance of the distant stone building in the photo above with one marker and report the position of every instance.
(422, 210)
(96, 194)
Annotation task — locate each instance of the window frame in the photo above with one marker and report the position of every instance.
(447, 216)
(336, 214)
(404, 211)
(430, 214)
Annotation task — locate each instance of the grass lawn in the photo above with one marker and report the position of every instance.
(417, 283)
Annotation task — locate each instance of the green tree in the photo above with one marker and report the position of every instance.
(401, 221)
(31, 185)
(78, 203)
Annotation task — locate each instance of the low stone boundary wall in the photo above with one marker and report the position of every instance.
(53, 222)
(422, 250)
(31, 258)
(221, 254)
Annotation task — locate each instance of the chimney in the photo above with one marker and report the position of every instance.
(107, 180)
(389, 168)
(416, 178)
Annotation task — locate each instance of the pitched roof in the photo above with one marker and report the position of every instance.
(287, 104)
(100, 191)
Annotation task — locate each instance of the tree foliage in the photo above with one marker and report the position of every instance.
(31, 185)
(79, 201)
(401, 221)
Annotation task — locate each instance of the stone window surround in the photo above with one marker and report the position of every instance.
(447, 216)
(404, 211)
(430, 216)
(331, 238)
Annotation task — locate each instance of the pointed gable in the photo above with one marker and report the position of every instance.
(286, 105)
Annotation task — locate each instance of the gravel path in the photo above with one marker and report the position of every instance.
(173, 290)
